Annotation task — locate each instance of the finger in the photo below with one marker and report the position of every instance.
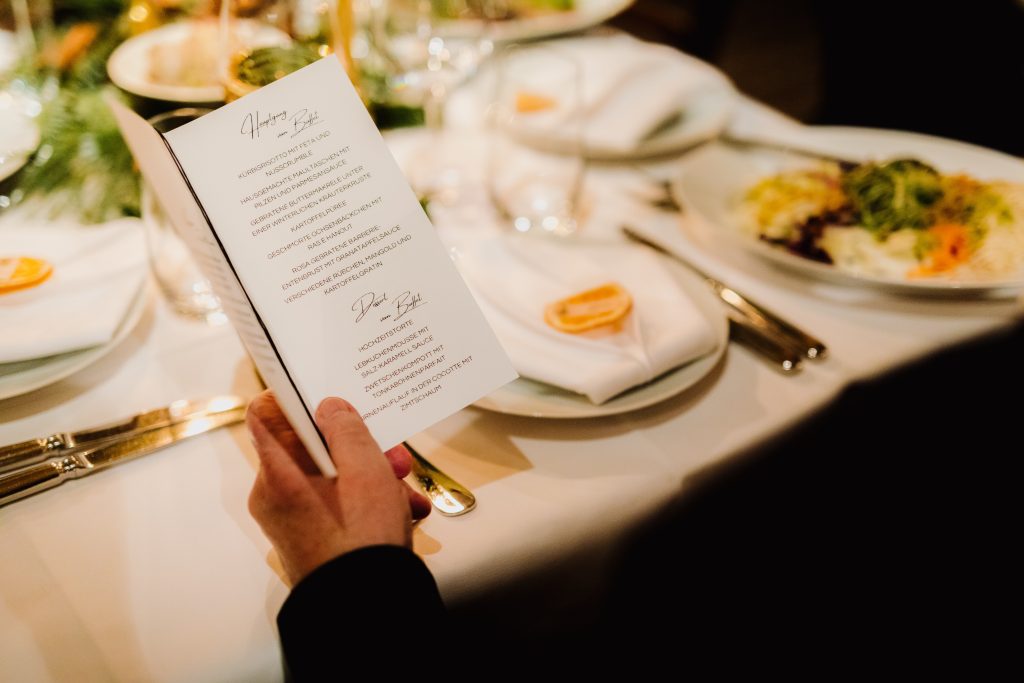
(266, 409)
(400, 459)
(419, 506)
(280, 476)
(352, 448)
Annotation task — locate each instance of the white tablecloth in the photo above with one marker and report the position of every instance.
(154, 571)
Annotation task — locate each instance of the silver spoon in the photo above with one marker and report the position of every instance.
(447, 495)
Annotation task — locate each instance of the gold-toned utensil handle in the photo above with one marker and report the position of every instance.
(35, 478)
(781, 355)
(447, 495)
(29, 452)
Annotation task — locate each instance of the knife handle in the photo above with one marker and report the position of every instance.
(35, 478)
(781, 355)
(809, 346)
(28, 452)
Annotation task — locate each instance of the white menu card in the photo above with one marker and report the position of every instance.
(325, 261)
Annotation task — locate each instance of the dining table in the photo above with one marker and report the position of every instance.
(155, 570)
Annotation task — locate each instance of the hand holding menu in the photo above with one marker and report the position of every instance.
(323, 256)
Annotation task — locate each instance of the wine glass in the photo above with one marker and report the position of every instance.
(24, 28)
(430, 65)
(538, 87)
(265, 40)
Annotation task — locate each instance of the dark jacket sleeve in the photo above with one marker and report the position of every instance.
(358, 607)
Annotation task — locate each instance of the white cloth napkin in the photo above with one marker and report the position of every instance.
(514, 278)
(629, 88)
(97, 273)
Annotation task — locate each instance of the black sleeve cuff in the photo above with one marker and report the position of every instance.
(354, 608)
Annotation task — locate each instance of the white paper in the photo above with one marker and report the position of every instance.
(344, 286)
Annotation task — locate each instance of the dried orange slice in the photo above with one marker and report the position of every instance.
(19, 272)
(528, 103)
(602, 305)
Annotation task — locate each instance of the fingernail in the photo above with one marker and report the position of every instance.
(331, 406)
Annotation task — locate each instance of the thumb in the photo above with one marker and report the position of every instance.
(353, 449)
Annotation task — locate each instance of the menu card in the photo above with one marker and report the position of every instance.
(325, 261)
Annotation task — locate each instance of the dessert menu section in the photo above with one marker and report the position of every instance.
(336, 255)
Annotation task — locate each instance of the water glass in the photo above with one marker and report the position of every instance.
(536, 185)
(182, 283)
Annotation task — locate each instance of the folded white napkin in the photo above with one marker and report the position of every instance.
(629, 89)
(97, 273)
(514, 278)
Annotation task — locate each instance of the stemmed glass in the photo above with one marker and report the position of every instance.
(265, 40)
(430, 65)
(24, 28)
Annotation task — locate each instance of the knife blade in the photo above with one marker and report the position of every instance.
(45, 475)
(808, 345)
(36, 450)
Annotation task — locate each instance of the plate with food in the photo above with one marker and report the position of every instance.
(513, 20)
(901, 211)
(179, 62)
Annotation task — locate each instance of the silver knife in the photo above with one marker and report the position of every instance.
(783, 357)
(27, 481)
(36, 450)
(760, 317)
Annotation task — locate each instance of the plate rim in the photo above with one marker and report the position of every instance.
(83, 358)
(166, 93)
(706, 302)
(830, 274)
(13, 164)
(543, 27)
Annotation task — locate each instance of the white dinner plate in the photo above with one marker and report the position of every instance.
(712, 181)
(586, 13)
(705, 113)
(19, 134)
(26, 376)
(129, 66)
(535, 399)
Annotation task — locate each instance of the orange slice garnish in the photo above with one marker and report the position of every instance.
(529, 103)
(20, 272)
(590, 309)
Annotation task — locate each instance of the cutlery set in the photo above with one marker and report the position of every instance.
(40, 464)
(769, 335)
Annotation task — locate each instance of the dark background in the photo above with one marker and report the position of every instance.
(954, 69)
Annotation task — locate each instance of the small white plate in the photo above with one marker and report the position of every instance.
(27, 376)
(19, 134)
(712, 180)
(586, 13)
(536, 399)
